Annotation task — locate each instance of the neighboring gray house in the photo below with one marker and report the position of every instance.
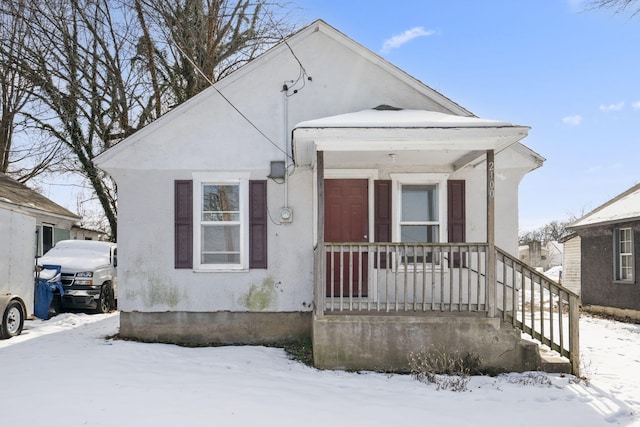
(609, 254)
(53, 222)
(321, 191)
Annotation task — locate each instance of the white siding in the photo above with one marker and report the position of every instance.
(571, 264)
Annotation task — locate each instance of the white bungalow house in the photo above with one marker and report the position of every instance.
(320, 190)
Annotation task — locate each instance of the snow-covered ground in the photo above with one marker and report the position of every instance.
(65, 372)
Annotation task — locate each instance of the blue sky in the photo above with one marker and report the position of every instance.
(570, 74)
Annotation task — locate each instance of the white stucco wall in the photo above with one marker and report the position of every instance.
(149, 282)
(207, 134)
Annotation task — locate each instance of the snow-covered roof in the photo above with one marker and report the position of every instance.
(623, 207)
(399, 118)
(15, 193)
(391, 129)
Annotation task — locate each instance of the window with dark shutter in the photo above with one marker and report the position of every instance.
(257, 224)
(183, 216)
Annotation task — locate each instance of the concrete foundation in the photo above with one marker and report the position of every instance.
(222, 327)
(383, 343)
(622, 314)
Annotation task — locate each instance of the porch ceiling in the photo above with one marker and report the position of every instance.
(429, 137)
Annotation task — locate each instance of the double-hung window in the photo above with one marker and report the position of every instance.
(419, 215)
(221, 215)
(623, 253)
(420, 211)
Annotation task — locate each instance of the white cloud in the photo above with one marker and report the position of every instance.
(572, 120)
(636, 105)
(576, 5)
(594, 169)
(400, 39)
(612, 107)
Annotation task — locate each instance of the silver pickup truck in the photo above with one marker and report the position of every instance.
(88, 273)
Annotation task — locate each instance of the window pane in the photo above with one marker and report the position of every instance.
(626, 267)
(625, 234)
(220, 202)
(220, 238)
(625, 261)
(220, 258)
(418, 233)
(419, 203)
(220, 244)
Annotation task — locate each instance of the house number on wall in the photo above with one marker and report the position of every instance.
(492, 182)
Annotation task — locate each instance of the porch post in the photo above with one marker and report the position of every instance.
(491, 235)
(320, 256)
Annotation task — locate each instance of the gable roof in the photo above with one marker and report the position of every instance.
(289, 43)
(624, 207)
(16, 194)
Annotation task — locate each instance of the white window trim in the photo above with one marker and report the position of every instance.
(399, 179)
(240, 178)
(617, 265)
(438, 179)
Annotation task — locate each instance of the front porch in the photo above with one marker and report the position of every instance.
(401, 197)
(388, 300)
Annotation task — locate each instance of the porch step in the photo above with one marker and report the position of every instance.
(552, 363)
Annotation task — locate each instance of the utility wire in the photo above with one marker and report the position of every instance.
(193, 64)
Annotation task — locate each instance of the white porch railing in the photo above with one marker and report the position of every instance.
(366, 278)
(398, 277)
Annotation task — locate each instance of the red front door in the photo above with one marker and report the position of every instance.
(346, 213)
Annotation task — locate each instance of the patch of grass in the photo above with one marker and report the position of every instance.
(448, 371)
(300, 350)
(531, 379)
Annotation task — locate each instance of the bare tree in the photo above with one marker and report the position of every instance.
(552, 231)
(27, 157)
(202, 41)
(99, 70)
(85, 92)
(619, 6)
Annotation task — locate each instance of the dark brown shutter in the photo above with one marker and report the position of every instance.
(183, 205)
(257, 224)
(382, 216)
(456, 214)
(382, 220)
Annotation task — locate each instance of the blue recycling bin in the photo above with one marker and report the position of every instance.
(45, 286)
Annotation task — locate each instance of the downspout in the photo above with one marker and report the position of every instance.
(286, 145)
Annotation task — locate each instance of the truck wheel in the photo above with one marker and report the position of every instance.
(105, 303)
(12, 320)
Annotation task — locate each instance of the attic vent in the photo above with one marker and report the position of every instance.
(385, 107)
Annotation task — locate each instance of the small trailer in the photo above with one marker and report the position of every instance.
(17, 257)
